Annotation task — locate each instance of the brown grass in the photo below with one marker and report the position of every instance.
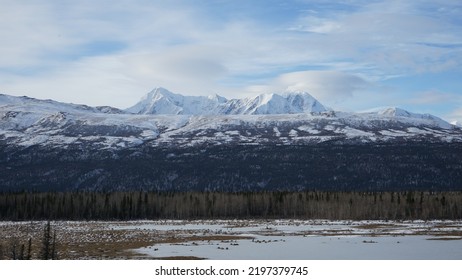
(94, 240)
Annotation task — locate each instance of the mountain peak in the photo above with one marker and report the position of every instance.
(395, 112)
(157, 93)
(162, 101)
(158, 101)
(294, 92)
(218, 98)
(160, 90)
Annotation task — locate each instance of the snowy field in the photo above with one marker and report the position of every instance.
(249, 239)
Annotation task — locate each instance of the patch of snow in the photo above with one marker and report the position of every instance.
(418, 130)
(353, 132)
(149, 134)
(393, 133)
(233, 133)
(308, 129)
(276, 131)
(293, 133)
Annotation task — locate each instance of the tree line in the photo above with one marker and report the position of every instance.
(225, 205)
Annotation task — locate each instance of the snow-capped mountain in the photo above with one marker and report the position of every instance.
(401, 113)
(165, 118)
(163, 102)
(170, 141)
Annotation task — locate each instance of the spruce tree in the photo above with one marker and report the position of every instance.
(46, 242)
(29, 250)
(53, 247)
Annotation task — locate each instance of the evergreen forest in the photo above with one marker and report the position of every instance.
(135, 205)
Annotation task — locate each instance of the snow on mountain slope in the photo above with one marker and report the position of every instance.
(456, 123)
(27, 103)
(277, 119)
(161, 101)
(395, 112)
(269, 104)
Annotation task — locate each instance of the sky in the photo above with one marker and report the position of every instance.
(351, 55)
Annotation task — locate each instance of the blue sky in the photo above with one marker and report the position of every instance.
(351, 55)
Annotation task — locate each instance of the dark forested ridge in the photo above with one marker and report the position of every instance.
(221, 205)
(397, 166)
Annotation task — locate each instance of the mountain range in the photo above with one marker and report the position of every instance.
(168, 141)
(162, 101)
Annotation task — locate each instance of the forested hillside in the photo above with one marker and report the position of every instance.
(401, 166)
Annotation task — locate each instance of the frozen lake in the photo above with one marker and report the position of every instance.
(319, 240)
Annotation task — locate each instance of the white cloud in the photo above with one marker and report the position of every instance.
(120, 80)
(395, 36)
(330, 87)
(27, 30)
(93, 81)
(433, 97)
(189, 49)
(177, 64)
(455, 116)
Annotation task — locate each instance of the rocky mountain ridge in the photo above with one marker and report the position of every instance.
(48, 145)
